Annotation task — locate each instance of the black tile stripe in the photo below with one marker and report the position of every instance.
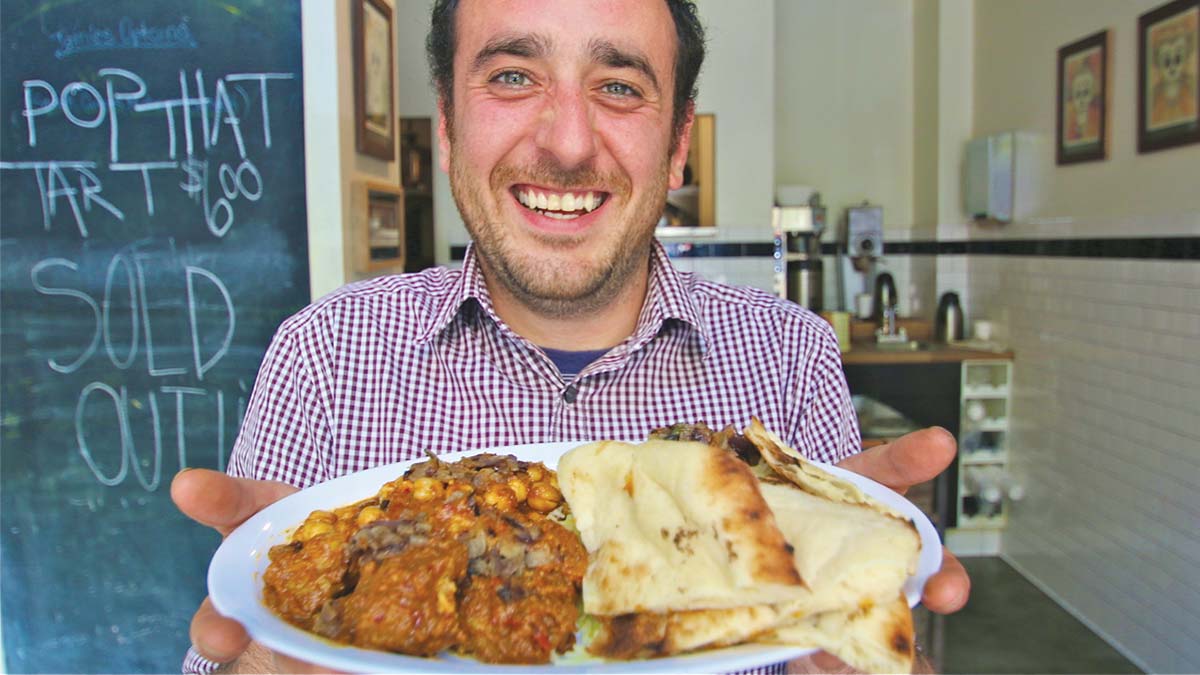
(1142, 248)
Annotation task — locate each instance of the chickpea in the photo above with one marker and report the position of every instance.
(311, 529)
(500, 497)
(322, 517)
(519, 488)
(446, 590)
(459, 523)
(544, 497)
(535, 472)
(368, 515)
(425, 489)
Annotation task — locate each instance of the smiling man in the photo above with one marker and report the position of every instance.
(561, 134)
(563, 124)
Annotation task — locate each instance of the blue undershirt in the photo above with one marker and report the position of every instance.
(569, 363)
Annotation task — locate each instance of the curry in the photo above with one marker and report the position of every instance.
(468, 556)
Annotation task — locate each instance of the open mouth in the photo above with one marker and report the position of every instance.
(559, 205)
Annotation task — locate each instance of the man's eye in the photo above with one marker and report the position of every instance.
(512, 78)
(620, 89)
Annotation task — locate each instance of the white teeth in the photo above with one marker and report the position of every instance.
(565, 203)
(561, 216)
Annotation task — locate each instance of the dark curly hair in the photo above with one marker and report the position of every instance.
(689, 55)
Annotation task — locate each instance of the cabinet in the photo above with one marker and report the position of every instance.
(984, 486)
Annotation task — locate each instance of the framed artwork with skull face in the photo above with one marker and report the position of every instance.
(1169, 76)
(1083, 98)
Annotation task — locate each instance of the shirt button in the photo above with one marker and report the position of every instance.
(570, 393)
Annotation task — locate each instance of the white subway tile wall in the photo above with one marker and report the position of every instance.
(1106, 438)
(758, 272)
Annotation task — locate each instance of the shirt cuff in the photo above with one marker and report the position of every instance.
(194, 664)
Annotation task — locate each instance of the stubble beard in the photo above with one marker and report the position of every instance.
(552, 286)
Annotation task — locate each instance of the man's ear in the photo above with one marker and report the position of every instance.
(443, 137)
(679, 155)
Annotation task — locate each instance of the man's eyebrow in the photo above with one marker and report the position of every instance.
(526, 46)
(609, 54)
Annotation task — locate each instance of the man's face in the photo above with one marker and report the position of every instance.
(559, 150)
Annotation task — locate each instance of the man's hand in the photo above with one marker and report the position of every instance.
(221, 502)
(907, 461)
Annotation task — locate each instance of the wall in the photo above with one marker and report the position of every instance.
(738, 86)
(844, 102)
(321, 23)
(1016, 52)
(332, 164)
(1107, 425)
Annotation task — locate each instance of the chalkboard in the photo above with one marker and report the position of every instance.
(152, 237)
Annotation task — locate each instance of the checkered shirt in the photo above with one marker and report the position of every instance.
(383, 370)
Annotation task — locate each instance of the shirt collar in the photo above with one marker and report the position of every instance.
(668, 296)
(468, 286)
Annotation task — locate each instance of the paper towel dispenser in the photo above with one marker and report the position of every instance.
(1002, 180)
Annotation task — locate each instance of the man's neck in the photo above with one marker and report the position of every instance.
(600, 329)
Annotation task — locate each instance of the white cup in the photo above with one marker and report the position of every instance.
(863, 305)
(983, 330)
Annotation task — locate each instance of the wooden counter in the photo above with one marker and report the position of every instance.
(866, 353)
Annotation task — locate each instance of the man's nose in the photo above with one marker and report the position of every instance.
(566, 128)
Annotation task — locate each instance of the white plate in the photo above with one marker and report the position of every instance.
(235, 583)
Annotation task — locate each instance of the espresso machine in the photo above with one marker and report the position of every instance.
(859, 246)
(799, 272)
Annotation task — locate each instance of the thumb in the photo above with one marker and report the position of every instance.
(215, 637)
(909, 460)
(223, 502)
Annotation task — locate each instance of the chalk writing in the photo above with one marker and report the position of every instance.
(97, 397)
(129, 34)
(152, 238)
(195, 122)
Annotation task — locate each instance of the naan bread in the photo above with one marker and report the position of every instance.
(851, 552)
(873, 639)
(673, 525)
(788, 463)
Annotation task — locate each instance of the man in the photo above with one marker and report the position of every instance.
(563, 125)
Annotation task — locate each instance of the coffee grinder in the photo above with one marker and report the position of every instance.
(798, 269)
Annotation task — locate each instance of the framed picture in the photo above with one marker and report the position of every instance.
(1083, 100)
(373, 59)
(1168, 79)
(379, 230)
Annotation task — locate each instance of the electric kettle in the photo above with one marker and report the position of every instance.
(948, 326)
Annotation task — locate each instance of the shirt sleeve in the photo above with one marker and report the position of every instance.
(285, 433)
(194, 664)
(826, 426)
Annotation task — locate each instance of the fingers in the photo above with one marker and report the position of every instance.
(216, 637)
(819, 662)
(948, 590)
(223, 502)
(286, 664)
(909, 460)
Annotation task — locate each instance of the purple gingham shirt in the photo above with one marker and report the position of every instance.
(382, 370)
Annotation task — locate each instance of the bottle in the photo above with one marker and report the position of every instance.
(949, 324)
